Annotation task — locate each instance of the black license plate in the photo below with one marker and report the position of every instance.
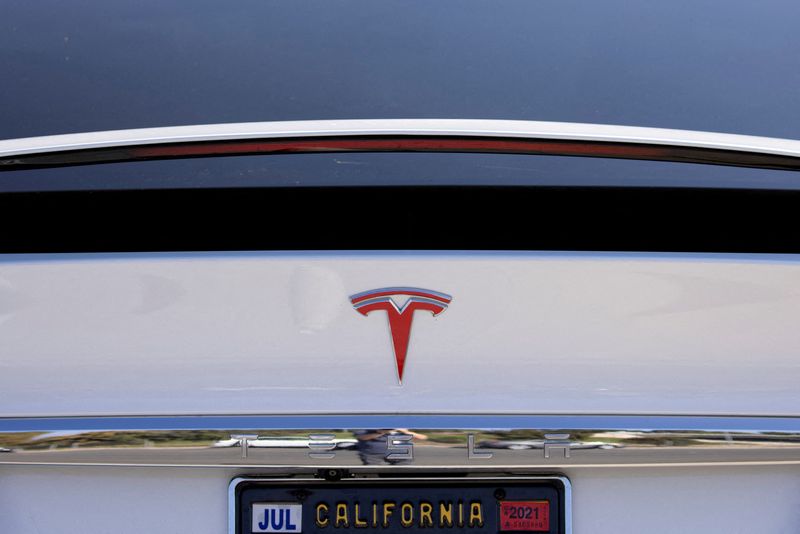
(389, 506)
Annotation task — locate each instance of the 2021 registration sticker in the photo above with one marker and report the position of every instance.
(530, 516)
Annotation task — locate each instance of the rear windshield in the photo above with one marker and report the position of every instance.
(392, 169)
(85, 65)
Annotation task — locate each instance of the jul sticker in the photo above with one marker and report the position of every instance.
(277, 517)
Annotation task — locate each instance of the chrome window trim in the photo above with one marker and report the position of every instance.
(564, 131)
(562, 479)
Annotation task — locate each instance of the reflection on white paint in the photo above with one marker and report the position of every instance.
(316, 297)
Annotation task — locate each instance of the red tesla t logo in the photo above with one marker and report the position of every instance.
(400, 318)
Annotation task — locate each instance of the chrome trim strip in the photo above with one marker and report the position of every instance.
(444, 469)
(401, 127)
(715, 423)
(285, 444)
(562, 479)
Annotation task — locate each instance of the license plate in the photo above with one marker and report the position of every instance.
(395, 506)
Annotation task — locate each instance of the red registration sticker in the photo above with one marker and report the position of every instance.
(533, 516)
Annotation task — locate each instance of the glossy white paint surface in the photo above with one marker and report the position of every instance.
(574, 131)
(275, 333)
(655, 501)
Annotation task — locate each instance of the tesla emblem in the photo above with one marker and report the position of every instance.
(400, 316)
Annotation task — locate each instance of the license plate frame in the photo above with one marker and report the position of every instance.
(246, 491)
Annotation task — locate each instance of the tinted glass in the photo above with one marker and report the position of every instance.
(718, 65)
(384, 169)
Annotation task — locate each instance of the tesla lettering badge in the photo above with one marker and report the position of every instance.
(400, 317)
